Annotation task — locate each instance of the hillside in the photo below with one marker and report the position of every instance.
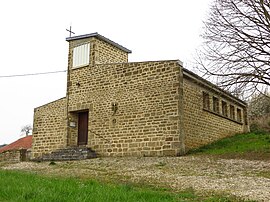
(251, 146)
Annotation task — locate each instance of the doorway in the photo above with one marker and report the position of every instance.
(82, 128)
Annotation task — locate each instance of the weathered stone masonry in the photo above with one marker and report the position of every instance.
(11, 156)
(202, 125)
(147, 119)
(50, 125)
(140, 108)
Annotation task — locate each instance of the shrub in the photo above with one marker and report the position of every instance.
(260, 123)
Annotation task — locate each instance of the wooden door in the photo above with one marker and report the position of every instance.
(82, 128)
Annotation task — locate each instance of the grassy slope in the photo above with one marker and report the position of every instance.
(249, 146)
(19, 187)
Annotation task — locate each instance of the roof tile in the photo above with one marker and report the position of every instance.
(22, 143)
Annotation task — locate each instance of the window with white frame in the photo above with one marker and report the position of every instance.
(81, 55)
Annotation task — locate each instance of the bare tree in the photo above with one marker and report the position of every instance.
(236, 49)
(259, 105)
(26, 129)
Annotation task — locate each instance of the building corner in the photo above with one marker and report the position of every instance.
(182, 149)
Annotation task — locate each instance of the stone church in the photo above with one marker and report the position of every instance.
(120, 108)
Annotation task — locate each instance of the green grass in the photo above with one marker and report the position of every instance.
(252, 145)
(265, 174)
(19, 187)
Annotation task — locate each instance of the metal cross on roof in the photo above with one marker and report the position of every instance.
(70, 32)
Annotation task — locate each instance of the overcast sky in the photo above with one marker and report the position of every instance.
(32, 40)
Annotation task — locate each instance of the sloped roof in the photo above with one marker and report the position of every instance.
(99, 37)
(22, 143)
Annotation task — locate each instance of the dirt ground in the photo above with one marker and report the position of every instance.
(243, 178)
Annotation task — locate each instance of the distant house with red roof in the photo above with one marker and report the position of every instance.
(17, 151)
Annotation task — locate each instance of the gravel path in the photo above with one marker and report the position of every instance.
(242, 178)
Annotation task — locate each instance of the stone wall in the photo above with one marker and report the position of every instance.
(100, 51)
(133, 107)
(50, 127)
(106, 53)
(12, 156)
(203, 125)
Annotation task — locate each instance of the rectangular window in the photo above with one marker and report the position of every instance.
(215, 104)
(232, 112)
(81, 55)
(206, 102)
(239, 115)
(224, 109)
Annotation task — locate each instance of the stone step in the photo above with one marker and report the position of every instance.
(70, 153)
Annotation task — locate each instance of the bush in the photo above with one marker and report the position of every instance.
(259, 105)
(260, 123)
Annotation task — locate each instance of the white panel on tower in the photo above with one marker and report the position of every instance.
(81, 55)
